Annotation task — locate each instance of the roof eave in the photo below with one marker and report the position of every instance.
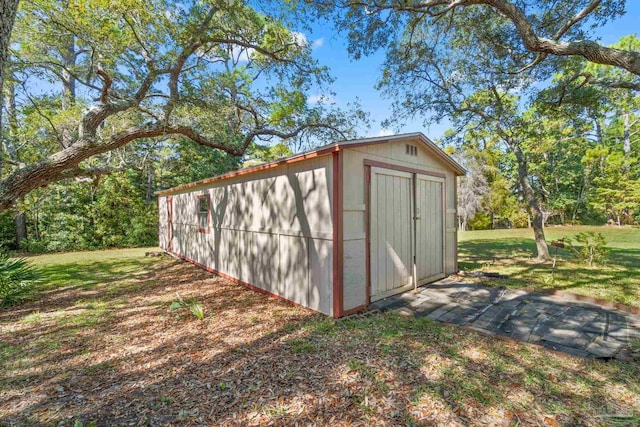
(459, 170)
(337, 146)
(292, 159)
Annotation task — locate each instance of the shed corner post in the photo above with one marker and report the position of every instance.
(367, 238)
(338, 297)
(455, 222)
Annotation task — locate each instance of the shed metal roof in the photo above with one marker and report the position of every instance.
(326, 149)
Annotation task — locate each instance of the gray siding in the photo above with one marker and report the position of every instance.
(272, 229)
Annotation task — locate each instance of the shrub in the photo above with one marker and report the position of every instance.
(481, 221)
(591, 249)
(519, 219)
(35, 246)
(17, 277)
(7, 231)
(194, 307)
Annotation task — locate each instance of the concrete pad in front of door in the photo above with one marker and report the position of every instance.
(561, 324)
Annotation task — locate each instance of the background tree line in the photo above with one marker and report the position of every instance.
(582, 145)
(106, 101)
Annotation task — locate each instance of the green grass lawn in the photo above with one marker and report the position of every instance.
(117, 271)
(100, 345)
(511, 252)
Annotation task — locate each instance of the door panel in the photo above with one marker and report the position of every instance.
(391, 231)
(429, 228)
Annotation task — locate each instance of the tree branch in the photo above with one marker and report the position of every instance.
(577, 18)
(590, 50)
(288, 135)
(612, 84)
(107, 82)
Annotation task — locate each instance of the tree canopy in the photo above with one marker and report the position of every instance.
(109, 100)
(481, 64)
(218, 73)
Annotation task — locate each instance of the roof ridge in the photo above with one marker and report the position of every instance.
(324, 150)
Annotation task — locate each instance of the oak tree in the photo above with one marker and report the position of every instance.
(478, 63)
(97, 75)
(8, 10)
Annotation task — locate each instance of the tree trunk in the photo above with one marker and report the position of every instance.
(10, 144)
(68, 81)
(36, 222)
(21, 227)
(582, 195)
(626, 140)
(8, 9)
(532, 203)
(69, 56)
(8, 141)
(150, 183)
(599, 136)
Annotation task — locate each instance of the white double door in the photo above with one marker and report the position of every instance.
(406, 230)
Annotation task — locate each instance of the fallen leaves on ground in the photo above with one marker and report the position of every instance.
(118, 355)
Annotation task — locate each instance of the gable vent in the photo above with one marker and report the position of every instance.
(411, 150)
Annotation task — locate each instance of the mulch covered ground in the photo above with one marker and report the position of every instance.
(116, 354)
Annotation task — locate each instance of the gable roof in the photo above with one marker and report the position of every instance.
(428, 144)
(330, 148)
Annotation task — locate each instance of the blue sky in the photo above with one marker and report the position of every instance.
(358, 78)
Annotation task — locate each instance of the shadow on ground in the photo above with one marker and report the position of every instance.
(108, 349)
(616, 281)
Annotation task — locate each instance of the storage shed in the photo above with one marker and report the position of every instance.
(332, 229)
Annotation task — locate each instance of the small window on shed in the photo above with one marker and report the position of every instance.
(204, 204)
(411, 150)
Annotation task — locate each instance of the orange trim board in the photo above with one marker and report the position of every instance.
(375, 163)
(338, 297)
(455, 203)
(367, 240)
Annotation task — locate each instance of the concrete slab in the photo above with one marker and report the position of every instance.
(560, 323)
(566, 349)
(601, 347)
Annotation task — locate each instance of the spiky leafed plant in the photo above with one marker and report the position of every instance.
(17, 277)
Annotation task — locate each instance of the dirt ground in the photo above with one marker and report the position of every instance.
(112, 352)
